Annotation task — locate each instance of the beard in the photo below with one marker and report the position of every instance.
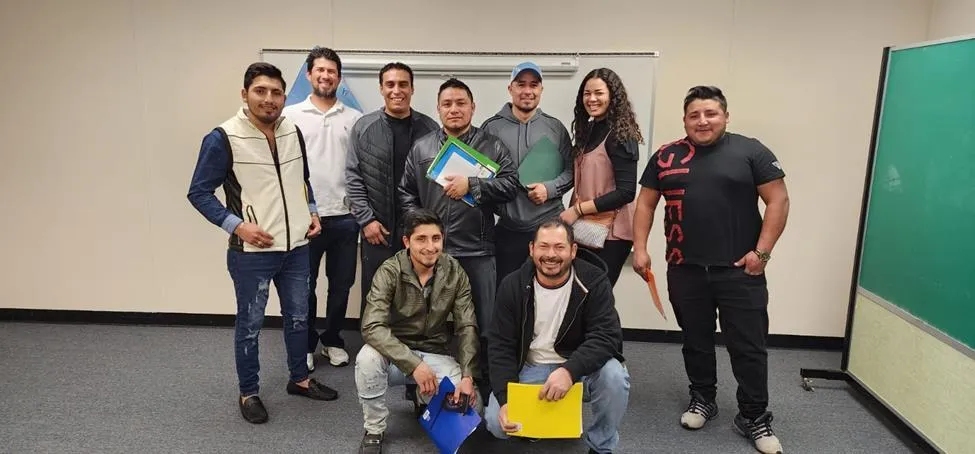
(327, 94)
(521, 109)
(560, 272)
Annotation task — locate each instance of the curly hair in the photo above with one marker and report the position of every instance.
(622, 120)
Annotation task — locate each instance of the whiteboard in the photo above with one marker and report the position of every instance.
(487, 74)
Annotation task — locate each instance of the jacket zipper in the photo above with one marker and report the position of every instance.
(574, 315)
(524, 321)
(284, 200)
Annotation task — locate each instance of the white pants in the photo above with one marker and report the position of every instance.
(374, 374)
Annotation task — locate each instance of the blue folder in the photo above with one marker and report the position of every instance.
(448, 429)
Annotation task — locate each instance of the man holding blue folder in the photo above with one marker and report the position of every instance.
(468, 230)
(541, 147)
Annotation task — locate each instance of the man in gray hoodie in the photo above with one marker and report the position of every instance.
(521, 124)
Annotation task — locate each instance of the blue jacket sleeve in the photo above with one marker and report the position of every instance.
(209, 174)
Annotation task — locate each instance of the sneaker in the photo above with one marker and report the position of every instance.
(371, 444)
(337, 356)
(699, 412)
(310, 359)
(418, 406)
(759, 430)
(252, 409)
(315, 390)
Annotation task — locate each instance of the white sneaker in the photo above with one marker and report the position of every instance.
(698, 413)
(759, 430)
(336, 356)
(310, 359)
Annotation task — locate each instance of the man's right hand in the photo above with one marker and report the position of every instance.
(641, 261)
(507, 426)
(425, 379)
(375, 233)
(253, 235)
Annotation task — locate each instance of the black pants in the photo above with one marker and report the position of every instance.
(614, 253)
(511, 250)
(741, 303)
(337, 243)
(372, 257)
(482, 274)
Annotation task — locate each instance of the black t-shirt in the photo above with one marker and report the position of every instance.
(711, 213)
(401, 144)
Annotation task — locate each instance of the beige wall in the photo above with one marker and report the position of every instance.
(951, 18)
(107, 101)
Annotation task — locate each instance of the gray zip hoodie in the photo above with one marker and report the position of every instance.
(521, 214)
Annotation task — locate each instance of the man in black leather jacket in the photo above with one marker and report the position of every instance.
(468, 230)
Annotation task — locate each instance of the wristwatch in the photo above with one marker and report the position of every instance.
(762, 255)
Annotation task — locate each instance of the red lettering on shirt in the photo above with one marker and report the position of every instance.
(678, 208)
(674, 207)
(675, 229)
(675, 256)
(665, 173)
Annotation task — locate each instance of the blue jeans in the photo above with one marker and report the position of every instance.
(608, 390)
(338, 242)
(253, 273)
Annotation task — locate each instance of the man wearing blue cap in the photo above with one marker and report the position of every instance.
(521, 125)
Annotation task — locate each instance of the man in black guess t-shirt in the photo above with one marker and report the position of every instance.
(717, 248)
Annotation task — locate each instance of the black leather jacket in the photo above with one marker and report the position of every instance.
(370, 187)
(468, 231)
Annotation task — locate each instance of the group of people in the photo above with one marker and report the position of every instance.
(527, 302)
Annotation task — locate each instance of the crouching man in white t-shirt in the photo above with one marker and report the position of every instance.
(572, 334)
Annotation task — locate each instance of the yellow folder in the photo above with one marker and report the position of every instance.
(543, 419)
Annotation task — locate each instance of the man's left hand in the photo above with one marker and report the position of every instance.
(315, 228)
(753, 265)
(456, 187)
(557, 385)
(466, 386)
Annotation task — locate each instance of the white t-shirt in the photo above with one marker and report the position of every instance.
(550, 307)
(326, 137)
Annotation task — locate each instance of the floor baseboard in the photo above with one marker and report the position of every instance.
(352, 324)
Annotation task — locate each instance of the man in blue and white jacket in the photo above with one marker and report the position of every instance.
(259, 159)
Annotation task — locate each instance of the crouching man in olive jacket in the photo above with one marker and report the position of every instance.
(404, 326)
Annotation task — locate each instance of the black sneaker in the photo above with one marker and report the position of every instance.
(698, 412)
(371, 444)
(759, 430)
(315, 390)
(252, 409)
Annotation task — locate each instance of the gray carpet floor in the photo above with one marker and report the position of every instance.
(118, 389)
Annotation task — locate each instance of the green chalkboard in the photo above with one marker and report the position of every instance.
(919, 237)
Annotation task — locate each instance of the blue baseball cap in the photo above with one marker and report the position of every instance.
(526, 66)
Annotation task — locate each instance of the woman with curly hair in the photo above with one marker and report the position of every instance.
(605, 151)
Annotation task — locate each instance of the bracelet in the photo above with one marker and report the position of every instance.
(579, 209)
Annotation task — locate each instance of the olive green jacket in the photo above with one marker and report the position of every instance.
(397, 319)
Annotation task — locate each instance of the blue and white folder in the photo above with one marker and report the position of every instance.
(456, 158)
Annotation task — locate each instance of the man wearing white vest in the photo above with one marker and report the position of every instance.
(258, 158)
(325, 124)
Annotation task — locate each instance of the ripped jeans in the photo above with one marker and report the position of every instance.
(375, 374)
(253, 273)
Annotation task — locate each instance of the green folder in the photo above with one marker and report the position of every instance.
(543, 163)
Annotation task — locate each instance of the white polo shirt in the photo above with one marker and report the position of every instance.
(327, 142)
